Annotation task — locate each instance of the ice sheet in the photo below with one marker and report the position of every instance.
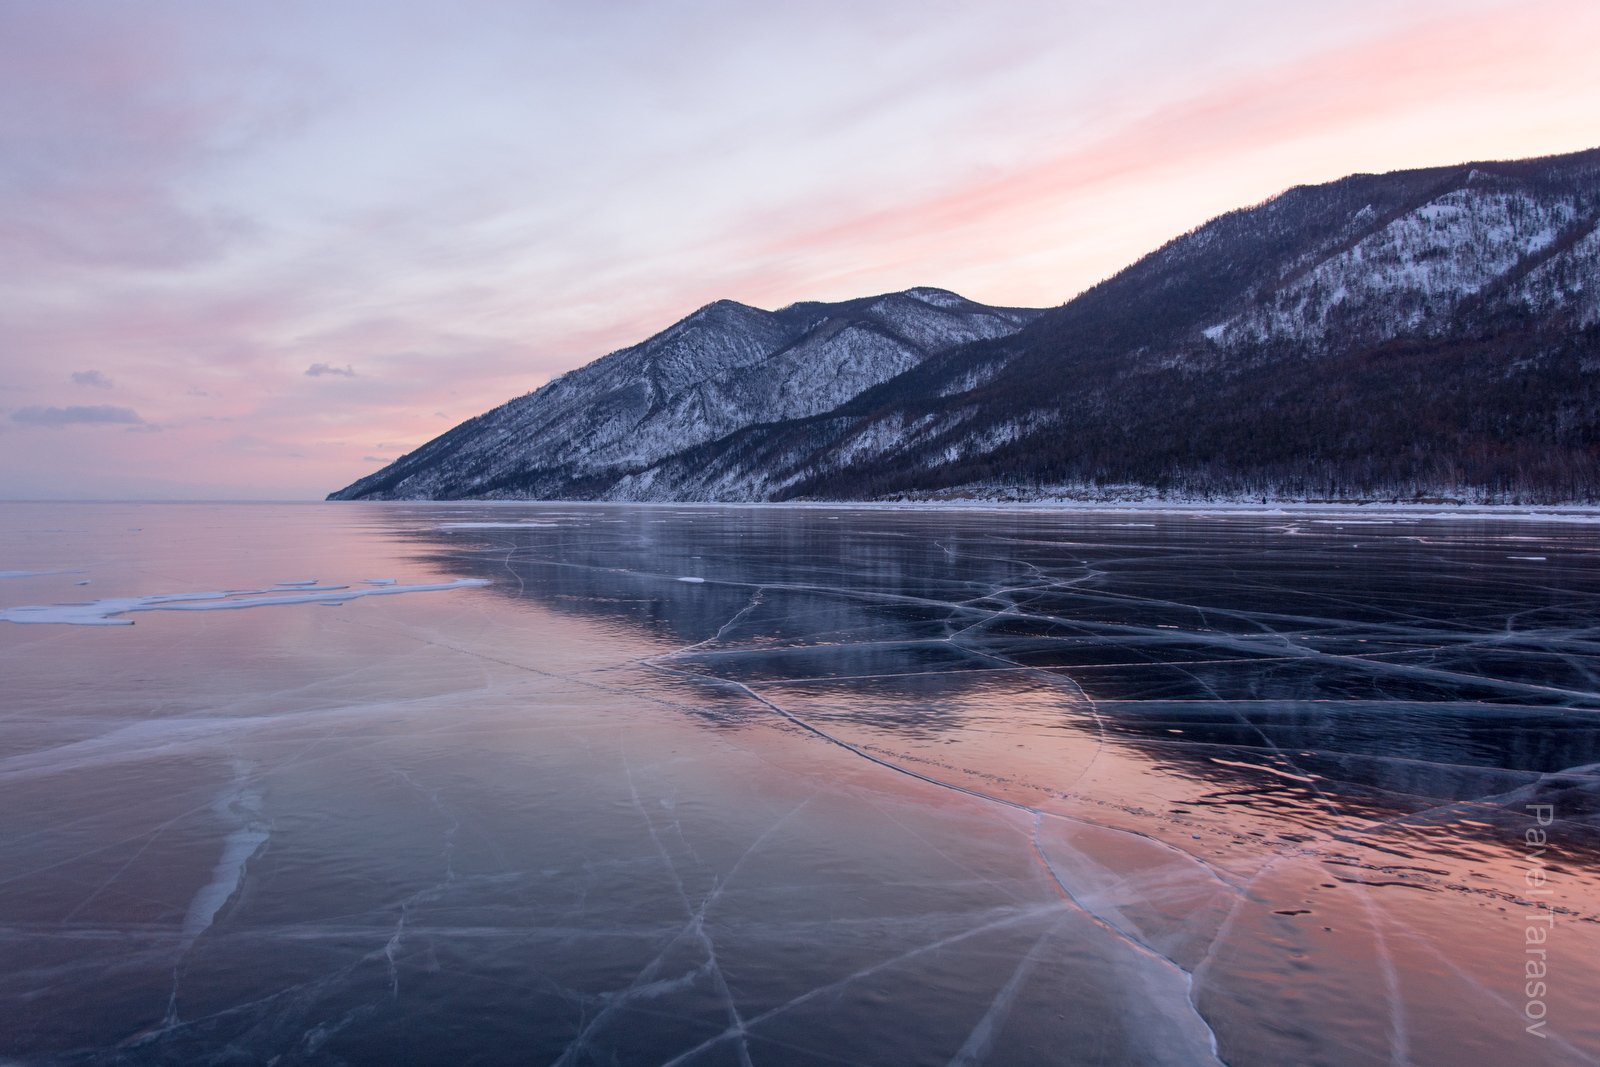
(885, 785)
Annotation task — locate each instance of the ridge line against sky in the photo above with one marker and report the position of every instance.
(258, 250)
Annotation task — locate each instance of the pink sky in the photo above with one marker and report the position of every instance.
(259, 249)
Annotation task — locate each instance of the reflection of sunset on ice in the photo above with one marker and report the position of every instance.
(886, 784)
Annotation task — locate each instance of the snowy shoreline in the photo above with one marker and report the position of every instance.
(1510, 512)
(1170, 506)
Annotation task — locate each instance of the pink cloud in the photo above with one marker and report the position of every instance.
(1453, 62)
(109, 119)
(180, 216)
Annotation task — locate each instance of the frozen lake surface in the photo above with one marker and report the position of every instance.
(378, 784)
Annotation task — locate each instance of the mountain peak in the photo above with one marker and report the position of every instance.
(941, 298)
(717, 307)
(598, 430)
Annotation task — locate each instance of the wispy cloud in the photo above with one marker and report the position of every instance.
(76, 415)
(91, 378)
(108, 112)
(198, 199)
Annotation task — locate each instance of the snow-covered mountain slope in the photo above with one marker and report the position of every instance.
(1409, 276)
(1433, 332)
(721, 369)
(1429, 332)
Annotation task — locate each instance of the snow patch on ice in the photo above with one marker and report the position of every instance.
(107, 611)
(243, 805)
(525, 525)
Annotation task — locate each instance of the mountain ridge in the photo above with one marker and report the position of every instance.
(717, 370)
(1423, 332)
